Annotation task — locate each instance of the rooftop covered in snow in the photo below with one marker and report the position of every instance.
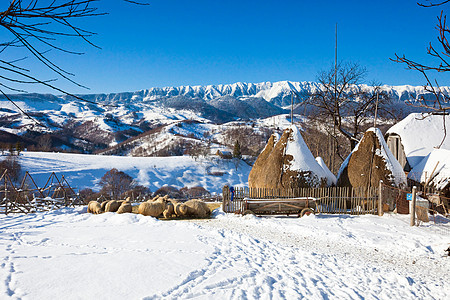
(420, 134)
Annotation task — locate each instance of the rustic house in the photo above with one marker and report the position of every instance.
(370, 162)
(434, 171)
(287, 162)
(413, 138)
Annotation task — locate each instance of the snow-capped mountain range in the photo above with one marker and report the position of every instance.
(276, 93)
(108, 119)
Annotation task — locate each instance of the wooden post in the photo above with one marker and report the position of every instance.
(225, 202)
(412, 207)
(6, 196)
(380, 198)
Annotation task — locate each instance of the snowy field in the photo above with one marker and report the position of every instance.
(85, 171)
(69, 254)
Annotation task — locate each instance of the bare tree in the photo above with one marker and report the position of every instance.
(344, 104)
(441, 53)
(38, 27)
(114, 183)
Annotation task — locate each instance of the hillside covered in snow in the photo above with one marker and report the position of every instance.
(105, 120)
(84, 171)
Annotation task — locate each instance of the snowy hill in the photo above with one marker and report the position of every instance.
(113, 118)
(84, 171)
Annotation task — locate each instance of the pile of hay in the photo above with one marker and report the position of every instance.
(287, 163)
(370, 162)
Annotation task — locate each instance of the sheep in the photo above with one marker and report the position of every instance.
(94, 207)
(197, 208)
(169, 211)
(103, 205)
(180, 209)
(153, 209)
(112, 206)
(125, 207)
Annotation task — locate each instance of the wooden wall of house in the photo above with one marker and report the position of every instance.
(394, 143)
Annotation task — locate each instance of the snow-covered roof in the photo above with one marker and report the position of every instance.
(303, 160)
(331, 179)
(420, 133)
(435, 165)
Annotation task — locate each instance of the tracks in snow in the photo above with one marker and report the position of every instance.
(258, 262)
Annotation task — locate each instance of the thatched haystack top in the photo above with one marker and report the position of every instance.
(434, 169)
(302, 158)
(370, 162)
(419, 134)
(331, 178)
(287, 163)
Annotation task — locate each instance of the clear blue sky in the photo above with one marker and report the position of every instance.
(200, 42)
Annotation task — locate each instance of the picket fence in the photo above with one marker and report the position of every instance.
(332, 200)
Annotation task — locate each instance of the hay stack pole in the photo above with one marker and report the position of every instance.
(431, 177)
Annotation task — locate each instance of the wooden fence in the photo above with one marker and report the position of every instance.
(27, 196)
(333, 200)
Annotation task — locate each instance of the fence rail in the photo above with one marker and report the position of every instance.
(28, 197)
(334, 200)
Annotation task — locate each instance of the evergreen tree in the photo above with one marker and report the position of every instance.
(237, 150)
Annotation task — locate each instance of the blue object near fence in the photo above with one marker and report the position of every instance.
(409, 196)
(232, 193)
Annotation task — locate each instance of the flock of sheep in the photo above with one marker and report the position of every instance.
(156, 207)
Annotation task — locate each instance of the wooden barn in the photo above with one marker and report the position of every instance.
(433, 172)
(414, 137)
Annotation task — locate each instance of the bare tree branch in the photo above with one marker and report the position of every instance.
(346, 102)
(441, 103)
(38, 27)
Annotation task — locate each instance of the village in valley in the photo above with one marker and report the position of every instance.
(333, 188)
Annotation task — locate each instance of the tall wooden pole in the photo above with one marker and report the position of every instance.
(412, 207)
(335, 101)
(380, 198)
(376, 112)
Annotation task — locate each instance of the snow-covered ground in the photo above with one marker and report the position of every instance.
(69, 254)
(85, 171)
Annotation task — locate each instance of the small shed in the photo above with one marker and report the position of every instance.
(414, 137)
(434, 171)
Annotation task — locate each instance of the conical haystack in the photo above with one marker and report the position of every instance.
(286, 163)
(331, 178)
(370, 162)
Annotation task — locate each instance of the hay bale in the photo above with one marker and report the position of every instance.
(112, 206)
(94, 207)
(197, 208)
(125, 207)
(169, 211)
(153, 209)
